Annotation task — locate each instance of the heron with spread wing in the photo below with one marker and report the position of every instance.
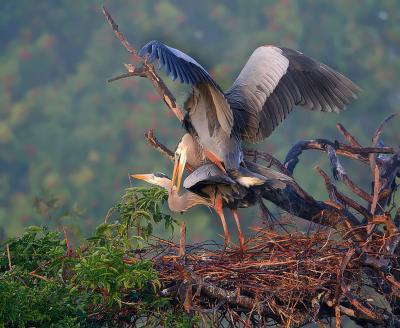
(273, 81)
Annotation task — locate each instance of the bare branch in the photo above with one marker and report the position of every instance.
(8, 257)
(376, 190)
(137, 72)
(339, 199)
(375, 139)
(152, 141)
(147, 70)
(361, 154)
(119, 35)
(350, 138)
(271, 160)
(182, 240)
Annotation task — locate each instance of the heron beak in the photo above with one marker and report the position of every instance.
(175, 170)
(179, 166)
(144, 177)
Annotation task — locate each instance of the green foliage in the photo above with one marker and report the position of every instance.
(100, 284)
(47, 301)
(36, 246)
(143, 207)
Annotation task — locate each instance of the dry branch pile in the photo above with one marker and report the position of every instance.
(349, 266)
(279, 277)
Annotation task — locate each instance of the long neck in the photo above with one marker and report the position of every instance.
(181, 203)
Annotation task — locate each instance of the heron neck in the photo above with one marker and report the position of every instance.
(181, 203)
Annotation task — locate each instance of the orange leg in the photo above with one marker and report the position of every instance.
(220, 212)
(213, 158)
(241, 237)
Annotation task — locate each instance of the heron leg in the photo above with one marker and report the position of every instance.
(213, 158)
(220, 212)
(241, 237)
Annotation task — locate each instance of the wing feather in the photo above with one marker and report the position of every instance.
(274, 80)
(176, 62)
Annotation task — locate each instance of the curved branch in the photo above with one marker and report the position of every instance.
(361, 154)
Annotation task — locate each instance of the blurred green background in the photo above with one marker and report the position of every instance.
(68, 139)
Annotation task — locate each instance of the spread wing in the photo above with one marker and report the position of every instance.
(274, 80)
(179, 65)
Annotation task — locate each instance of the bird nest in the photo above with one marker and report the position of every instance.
(282, 278)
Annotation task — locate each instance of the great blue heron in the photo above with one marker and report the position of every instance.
(271, 83)
(208, 185)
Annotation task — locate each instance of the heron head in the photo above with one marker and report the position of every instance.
(157, 178)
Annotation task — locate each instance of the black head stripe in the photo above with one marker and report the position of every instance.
(160, 175)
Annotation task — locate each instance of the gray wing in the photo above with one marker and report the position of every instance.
(273, 178)
(178, 64)
(205, 175)
(274, 80)
(267, 172)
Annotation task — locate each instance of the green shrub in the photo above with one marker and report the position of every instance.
(99, 284)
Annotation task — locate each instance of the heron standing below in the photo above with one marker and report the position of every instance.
(208, 185)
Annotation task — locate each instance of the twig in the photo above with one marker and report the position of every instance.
(356, 189)
(266, 157)
(68, 252)
(340, 199)
(119, 35)
(182, 240)
(337, 317)
(38, 276)
(109, 214)
(329, 186)
(138, 72)
(9, 257)
(375, 139)
(146, 69)
(341, 269)
(340, 173)
(376, 190)
(350, 138)
(152, 141)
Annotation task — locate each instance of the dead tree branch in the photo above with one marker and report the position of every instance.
(146, 69)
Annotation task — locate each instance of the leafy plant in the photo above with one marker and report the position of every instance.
(143, 207)
(100, 284)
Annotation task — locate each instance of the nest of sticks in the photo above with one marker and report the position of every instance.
(281, 278)
(288, 279)
(347, 265)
